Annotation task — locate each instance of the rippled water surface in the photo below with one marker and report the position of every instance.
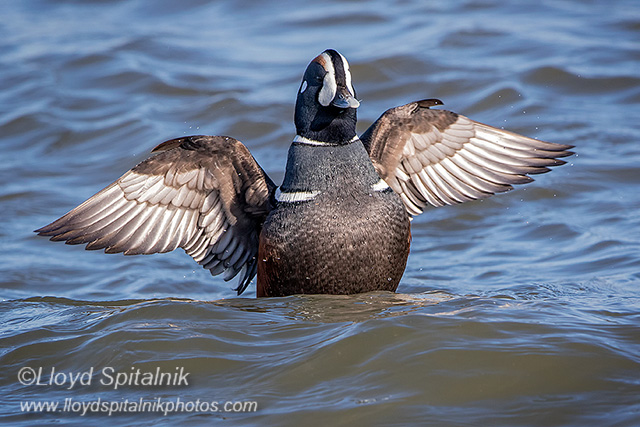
(519, 310)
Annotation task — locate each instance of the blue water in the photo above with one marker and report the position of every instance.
(518, 310)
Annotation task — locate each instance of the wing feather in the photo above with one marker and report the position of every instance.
(436, 157)
(205, 194)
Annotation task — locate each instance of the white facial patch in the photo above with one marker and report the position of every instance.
(329, 85)
(304, 86)
(295, 196)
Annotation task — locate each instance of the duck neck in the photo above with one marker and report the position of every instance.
(331, 125)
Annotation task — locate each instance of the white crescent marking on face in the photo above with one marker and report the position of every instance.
(329, 85)
(304, 86)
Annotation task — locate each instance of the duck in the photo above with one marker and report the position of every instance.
(340, 222)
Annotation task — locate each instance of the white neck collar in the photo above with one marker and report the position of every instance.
(302, 140)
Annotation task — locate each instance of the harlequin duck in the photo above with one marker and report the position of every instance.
(340, 221)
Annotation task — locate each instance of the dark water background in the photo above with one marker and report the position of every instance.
(520, 310)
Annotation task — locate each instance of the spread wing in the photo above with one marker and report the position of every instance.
(436, 157)
(204, 194)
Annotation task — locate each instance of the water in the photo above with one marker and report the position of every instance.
(519, 310)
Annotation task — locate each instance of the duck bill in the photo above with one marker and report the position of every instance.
(344, 99)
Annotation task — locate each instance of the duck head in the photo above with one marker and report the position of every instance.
(326, 104)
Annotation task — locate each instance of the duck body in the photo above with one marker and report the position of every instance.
(340, 221)
(337, 228)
